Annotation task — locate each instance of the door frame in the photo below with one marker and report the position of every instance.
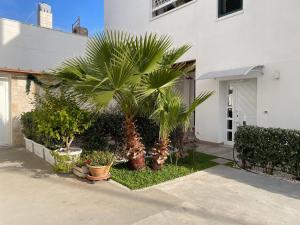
(7, 77)
(235, 121)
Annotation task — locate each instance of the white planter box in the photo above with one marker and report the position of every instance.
(74, 152)
(28, 144)
(38, 150)
(48, 156)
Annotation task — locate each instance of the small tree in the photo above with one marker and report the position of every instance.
(171, 113)
(61, 119)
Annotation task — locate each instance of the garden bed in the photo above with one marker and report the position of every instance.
(141, 179)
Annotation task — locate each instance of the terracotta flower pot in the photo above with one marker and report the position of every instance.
(137, 163)
(99, 171)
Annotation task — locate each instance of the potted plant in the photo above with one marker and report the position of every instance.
(61, 119)
(100, 162)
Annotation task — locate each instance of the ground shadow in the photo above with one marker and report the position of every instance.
(268, 183)
(18, 158)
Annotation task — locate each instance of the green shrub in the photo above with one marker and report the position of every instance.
(100, 158)
(106, 126)
(107, 132)
(109, 126)
(148, 130)
(60, 118)
(29, 125)
(269, 148)
(63, 163)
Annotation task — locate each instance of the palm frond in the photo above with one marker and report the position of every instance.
(171, 57)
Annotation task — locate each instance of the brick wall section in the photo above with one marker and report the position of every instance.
(20, 102)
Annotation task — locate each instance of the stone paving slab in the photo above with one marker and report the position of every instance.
(217, 150)
(31, 194)
(221, 161)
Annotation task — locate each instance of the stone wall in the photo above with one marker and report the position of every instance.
(20, 102)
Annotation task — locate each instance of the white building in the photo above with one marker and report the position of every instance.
(24, 50)
(248, 51)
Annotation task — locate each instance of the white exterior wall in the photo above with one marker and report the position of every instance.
(28, 47)
(266, 33)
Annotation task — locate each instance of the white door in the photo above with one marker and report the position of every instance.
(241, 107)
(4, 112)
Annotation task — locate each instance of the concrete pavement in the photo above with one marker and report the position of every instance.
(31, 194)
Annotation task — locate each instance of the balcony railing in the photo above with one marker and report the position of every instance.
(161, 6)
(158, 4)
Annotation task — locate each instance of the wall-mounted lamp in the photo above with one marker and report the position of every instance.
(276, 75)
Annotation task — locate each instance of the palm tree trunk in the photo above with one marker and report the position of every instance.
(160, 153)
(134, 147)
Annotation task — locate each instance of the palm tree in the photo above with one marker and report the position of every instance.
(170, 114)
(117, 66)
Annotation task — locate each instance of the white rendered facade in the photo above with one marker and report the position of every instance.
(24, 50)
(263, 33)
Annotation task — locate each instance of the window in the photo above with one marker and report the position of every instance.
(161, 6)
(229, 6)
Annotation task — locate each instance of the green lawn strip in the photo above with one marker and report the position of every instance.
(141, 179)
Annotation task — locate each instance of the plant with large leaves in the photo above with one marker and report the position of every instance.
(117, 66)
(171, 113)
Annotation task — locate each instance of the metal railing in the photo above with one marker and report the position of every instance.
(158, 4)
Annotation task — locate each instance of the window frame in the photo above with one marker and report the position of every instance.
(220, 15)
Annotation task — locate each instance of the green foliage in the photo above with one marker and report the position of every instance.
(269, 148)
(148, 177)
(29, 125)
(63, 163)
(117, 67)
(171, 113)
(60, 118)
(107, 126)
(100, 158)
(148, 130)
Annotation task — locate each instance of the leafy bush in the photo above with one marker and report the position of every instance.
(269, 148)
(148, 130)
(29, 125)
(63, 163)
(100, 158)
(107, 132)
(60, 118)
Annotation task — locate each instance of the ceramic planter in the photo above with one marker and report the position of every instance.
(38, 150)
(48, 156)
(28, 144)
(74, 152)
(99, 171)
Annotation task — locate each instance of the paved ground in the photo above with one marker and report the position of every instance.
(31, 194)
(221, 151)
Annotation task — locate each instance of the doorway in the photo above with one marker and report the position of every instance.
(241, 106)
(4, 112)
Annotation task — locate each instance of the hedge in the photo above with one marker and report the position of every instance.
(269, 148)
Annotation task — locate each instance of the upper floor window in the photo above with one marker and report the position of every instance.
(229, 6)
(161, 6)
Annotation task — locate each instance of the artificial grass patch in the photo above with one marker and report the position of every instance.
(140, 179)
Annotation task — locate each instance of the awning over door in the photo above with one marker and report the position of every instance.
(234, 73)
